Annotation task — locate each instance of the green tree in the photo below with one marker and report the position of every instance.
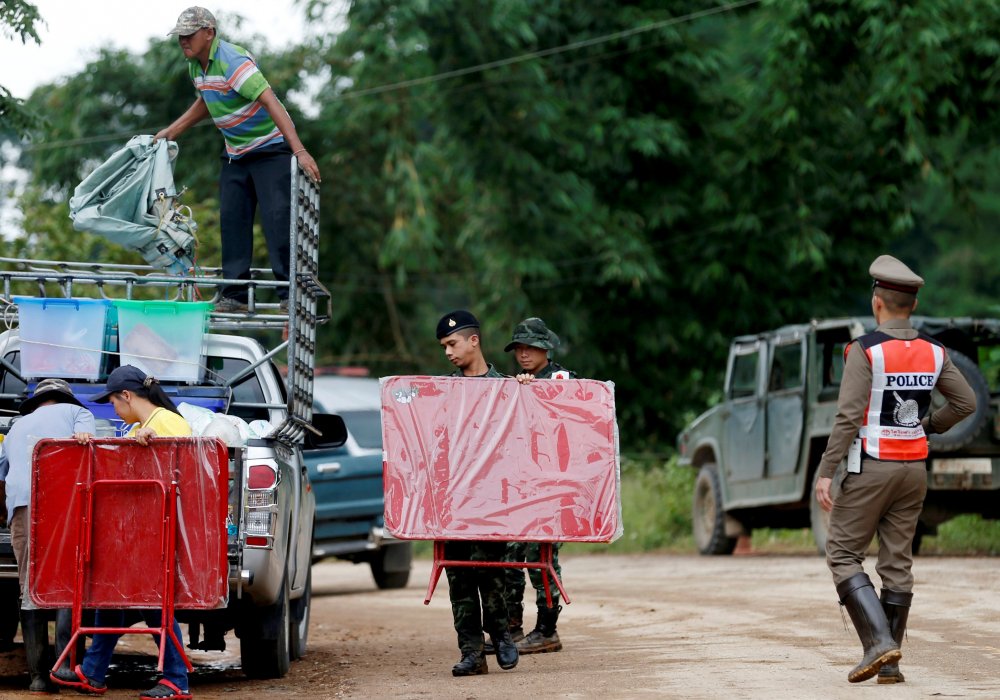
(18, 21)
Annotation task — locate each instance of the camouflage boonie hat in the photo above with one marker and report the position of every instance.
(533, 332)
(191, 20)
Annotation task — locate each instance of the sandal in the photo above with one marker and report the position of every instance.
(166, 689)
(77, 680)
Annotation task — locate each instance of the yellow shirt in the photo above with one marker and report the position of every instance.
(165, 424)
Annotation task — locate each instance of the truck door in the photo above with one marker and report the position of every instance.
(785, 403)
(743, 419)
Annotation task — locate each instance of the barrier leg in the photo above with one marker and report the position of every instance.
(436, 571)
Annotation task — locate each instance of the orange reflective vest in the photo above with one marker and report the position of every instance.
(904, 373)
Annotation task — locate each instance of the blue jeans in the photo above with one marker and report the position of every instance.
(98, 656)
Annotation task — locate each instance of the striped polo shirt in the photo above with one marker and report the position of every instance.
(230, 88)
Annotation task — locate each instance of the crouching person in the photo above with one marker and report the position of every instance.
(50, 412)
(138, 400)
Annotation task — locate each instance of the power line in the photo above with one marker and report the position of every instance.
(543, 53)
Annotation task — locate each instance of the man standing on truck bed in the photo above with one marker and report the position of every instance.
(476, 593)
(881, 427)
(260, 142)
(531, 343)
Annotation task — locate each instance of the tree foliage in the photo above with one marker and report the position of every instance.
(18, 21)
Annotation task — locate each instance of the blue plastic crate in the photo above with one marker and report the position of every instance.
(64, 337)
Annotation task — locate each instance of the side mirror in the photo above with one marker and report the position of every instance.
(333, 432)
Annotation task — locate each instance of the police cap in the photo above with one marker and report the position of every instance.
(533, 332)
(890, 273)
(456, 321)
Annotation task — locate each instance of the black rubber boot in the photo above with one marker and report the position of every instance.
(505, 650)
(515, 625)
(472, 664)
(897, 610)
(857, 594)
(544, 637)
(35, 631)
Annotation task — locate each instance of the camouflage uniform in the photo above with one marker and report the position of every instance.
(530, 551)
(534, 332)
(467, 586)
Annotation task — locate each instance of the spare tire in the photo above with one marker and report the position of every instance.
(965, 431)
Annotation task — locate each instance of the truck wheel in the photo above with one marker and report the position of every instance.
(819, 518)
(966, 430)
(298, 631)
(391, 565)
(267, 658)
(708, 520)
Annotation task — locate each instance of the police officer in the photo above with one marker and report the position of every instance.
(882, 421)
(477, 594)
(531, 343)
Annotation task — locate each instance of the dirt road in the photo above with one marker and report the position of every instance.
(649, 626)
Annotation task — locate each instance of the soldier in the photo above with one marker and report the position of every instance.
(881, 426)
(531, 342)
(477, 594)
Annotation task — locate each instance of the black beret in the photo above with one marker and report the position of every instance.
(456, 321)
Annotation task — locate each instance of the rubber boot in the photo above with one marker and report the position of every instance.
(506, 651)
(472, 664)
(897, 610)
(35, 631)
(544, 637)
(857, 594)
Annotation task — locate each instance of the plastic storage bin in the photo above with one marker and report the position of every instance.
(165, 339)
(63, 337)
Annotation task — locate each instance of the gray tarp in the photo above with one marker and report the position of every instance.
(130, 199)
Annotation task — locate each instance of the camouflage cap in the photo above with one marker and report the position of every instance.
(55, 389)
(191, 20)
(890, 273)
(533, 332)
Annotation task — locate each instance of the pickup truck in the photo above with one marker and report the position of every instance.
(757, 451)
(271, 501)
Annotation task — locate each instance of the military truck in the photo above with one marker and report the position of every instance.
(758, 450)
(271, 501)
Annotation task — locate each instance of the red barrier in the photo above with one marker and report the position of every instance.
(492, 459)
(115, 524)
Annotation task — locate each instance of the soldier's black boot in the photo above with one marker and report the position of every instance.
(505, 650)
(897, 609)
(544, 637)
(473, 663)
(857, 594)
(35, 631)
(515, 625)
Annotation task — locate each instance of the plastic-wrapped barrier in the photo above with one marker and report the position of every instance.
(100, 520)
(492, 459)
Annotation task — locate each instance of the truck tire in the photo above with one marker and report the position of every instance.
(391, 565)
(708, 520)
(966, 430)
(267, 658)
(298, 621)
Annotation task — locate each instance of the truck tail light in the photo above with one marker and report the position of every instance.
(261, 497)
